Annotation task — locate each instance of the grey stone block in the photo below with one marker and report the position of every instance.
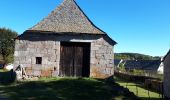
(93, 60)
(37, 73)
(55, 73)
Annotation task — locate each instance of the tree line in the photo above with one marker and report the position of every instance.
(7, 44)
(135, 56)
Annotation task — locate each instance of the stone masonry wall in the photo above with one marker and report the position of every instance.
(101, 59)
(26, 51)
(167, 76)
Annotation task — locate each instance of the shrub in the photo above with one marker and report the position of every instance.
(122, 68)
(138, 72)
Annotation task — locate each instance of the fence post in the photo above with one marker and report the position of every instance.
(136, 90)
(159, 90)
(148, 87)
(163, 96)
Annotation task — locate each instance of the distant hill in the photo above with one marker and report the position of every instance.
(135, 56)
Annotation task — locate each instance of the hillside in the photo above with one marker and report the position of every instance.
(135, 56)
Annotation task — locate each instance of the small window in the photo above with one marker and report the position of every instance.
(38, 60)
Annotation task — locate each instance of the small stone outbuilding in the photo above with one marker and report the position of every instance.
(65, 43)
(167, 75)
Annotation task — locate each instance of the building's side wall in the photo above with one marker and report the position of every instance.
(101, 59)
(26, 51)
(167, 76)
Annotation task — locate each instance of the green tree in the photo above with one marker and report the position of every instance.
(122, 67)
(138, 72)
(134, 56)
(7, 44)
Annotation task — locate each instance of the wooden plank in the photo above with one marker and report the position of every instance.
(78, 60)
(66, 62)
(75, 59)
(86, 61)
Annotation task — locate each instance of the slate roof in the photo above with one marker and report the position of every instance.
(117, 62)
(143, 64)
(67, 17)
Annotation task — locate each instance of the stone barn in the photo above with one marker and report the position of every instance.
(65, 43)
(167, 75)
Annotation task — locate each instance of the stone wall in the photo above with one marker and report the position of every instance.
(167, 76)
(101, 59)
(26, 51)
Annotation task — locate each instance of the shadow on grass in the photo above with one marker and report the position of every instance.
(62, 89)
(67, 89)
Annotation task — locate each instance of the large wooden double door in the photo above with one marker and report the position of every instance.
(75, 59)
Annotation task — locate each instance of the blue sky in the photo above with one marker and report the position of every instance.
(140, 26)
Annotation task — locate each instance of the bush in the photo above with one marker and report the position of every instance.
(138, 72)
(122, 68)
(7, 44)
(7, 77)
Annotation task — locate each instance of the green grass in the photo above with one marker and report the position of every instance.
(63, 89)
(138, 90)
(3, 70)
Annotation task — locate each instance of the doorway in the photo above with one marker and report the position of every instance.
(75, 59)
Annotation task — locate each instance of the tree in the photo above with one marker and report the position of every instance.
(134, 56)
(7, 44)
(122, 67)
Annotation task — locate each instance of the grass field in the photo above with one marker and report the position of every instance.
(138, 90)
(3, 70)
(63, 89)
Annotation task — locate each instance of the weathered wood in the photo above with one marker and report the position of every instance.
(75, 59)
(20, 73)
(86, 61)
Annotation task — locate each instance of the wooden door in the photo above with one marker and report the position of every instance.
(66, 62)
(75, 59)
(78, 60)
